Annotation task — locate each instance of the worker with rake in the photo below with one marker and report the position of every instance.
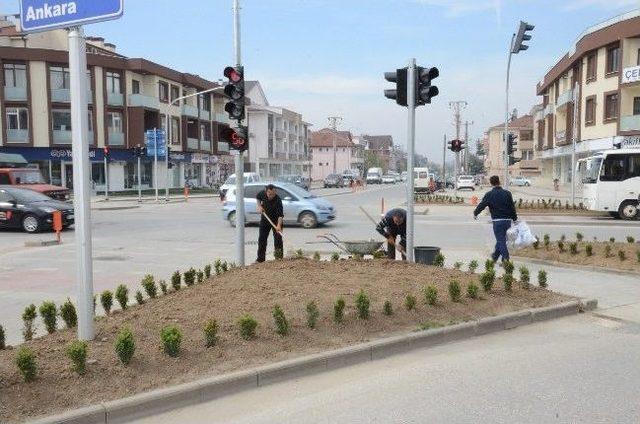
(270, 207)
(392, 225)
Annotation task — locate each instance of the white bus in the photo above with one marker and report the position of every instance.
(611, 182)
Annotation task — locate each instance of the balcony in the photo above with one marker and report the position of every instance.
(140, 100)
(564, 99)
(279, 134)
(538, 116)
(548, 110)
(223, 147)
(15, 94)
(630, 123)
(205, 145)
(190, 111)
(63, 95)
(222, 118)
(116, 139)
(115, 99)
(529, 164)
(292, 137)
(17, 136)
(193, 144)
(63, 137)
(205, 115)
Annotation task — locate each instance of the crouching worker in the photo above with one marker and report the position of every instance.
(394, 224)
(269, 205)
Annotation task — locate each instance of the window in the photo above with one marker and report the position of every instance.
(620, 167)
(135, 86)
(61, 120)
(114, 122)
(97, 173)
(204, 100)
(590, 111)
(611, 106)
(636, 105)
(175, 93)
(113, 82)
(592, 66)
(251, 192)
(175, 130)
(58, 77)
(89, 121)
(556, 90)
(17, 118)
(163, 92)
(5, 180)
(613, 60)
(15, 75)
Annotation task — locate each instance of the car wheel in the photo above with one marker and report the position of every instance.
(232, 219)
(308, 220)
(628, 210)
(31, 224)
(527, 184)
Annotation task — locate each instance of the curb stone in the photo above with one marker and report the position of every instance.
(574, 266)
(166, 399)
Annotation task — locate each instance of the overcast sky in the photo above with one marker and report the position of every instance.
(327, 57)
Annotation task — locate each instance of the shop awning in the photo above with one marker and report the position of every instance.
(12, 160)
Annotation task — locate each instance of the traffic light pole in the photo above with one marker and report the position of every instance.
(444, 167)
(155, 161)
(411, 130)
(239, 162)
(139, 179)
(505, 140)
(106, 178)
(167, 137)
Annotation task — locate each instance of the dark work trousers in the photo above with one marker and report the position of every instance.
(500, 228)
(265, 229)
(391, 250)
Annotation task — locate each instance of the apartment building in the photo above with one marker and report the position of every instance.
(127, 96)
(382, 147)
(493, 146)
(326, 159)
(278, 137)
(601, 70)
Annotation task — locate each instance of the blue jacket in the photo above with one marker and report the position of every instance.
(500, 204)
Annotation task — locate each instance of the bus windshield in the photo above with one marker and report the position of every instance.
(591, 171)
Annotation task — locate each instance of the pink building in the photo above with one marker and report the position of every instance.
(325, 160)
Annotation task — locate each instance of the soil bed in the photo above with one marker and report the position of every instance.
(598, 258)
(255, 290)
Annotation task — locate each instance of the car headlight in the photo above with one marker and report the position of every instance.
(47, 209)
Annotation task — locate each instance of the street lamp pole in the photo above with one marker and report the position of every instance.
(505, 137)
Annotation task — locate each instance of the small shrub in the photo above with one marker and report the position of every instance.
(335, 256)
(638, 255)
(362, 305)
(622, 255)
(546, 241)
(410, 302)
(561, 246)
(190, 277)
(278, 254)
(149, 285)
(139, 298)
(379, 254)
(207, 271)
(607, 251)
(387, 309)
(210, 331)
(542, 278)
(525, 277)
(573, 248)
(312, 314)
(106, 300)
(454, 291)
(122, 296)
(431, 295)
(171, 337)
(508, 267)
(487, 279)
(588, 249)
(125, 345)
(439, 260)
(338, 310)
(612, 240)
(489, 265)
(579, 236)
(473, 265)
(26, 362)
(507, 280)
(176, 279)
(163, 287)
(472, 291)
(299, 254)
(77, 352)
(49, 314)
(563, 238)
(2, 339)
(282, 325)
(199, 276)
(457, 265)
(28, 317)
(630, 240)
(217, 265)
(68, 314)
(316, 256)
(248, 325)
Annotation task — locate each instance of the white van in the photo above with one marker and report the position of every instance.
(249, 177)
(374, 176)
(421, 180)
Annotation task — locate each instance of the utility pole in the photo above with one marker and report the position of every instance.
(240, 218)
(444, 157)
(333, 122)
(457, 107)
(466, 145)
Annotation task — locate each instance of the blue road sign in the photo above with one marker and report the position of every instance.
(43, 15)
(155, 140)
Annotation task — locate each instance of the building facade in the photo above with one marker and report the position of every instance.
(325, 159)
(493, 146)
(382, 147)
(127, 97)
(278, 137)
(598, 83)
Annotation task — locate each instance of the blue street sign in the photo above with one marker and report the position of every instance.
(155, 140)
(44, 15)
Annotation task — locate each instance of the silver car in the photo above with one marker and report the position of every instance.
(300, 206)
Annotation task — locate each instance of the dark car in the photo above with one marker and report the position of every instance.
(30, 210)
(299, 180)
(333, 180)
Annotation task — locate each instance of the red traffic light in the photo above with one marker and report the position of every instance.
(232, 74)
(237, 138)
(105, 150)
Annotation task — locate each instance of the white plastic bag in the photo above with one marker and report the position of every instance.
(523, 235)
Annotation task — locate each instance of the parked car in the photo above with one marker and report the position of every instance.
(30, 210)
(520, 181)
(300, 206)
(374, 176)
(396, 175)
(466, 182)
(349, 176)
(403, 176)
(388, 179)
(31, 178)
(333, 180)
(299, 180)
(249, 177)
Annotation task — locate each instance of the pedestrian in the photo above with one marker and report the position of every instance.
(392, 225)
(269, 205)
(503, 211)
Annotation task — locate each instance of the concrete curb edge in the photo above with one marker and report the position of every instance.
(169, 398)
(574, 266)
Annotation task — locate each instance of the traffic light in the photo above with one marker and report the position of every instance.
(105, 151)
(139, 151)
(456, 145)
(424, 90)
(399, 94)
(238, 138)
(512, 145)
(521, 37)
(235, 91)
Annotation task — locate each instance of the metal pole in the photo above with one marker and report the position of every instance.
(238, 158)
(411, 127)
(576, 99)
(444, 156)
(166, 150)
(82, 209)
(505, 140)
(155, 161)
(106, 179)
(139, 181)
